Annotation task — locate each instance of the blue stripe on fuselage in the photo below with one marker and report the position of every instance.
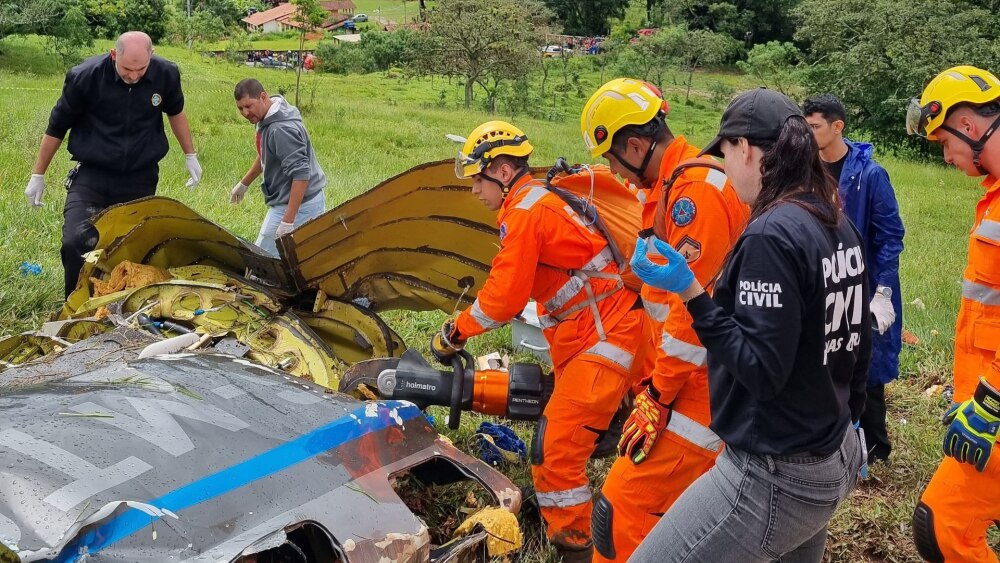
(334, 434)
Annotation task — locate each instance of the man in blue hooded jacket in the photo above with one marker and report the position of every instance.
(870, 202)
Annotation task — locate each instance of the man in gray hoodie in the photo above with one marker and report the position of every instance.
(293, 180)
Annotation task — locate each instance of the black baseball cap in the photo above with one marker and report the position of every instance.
(757, 115)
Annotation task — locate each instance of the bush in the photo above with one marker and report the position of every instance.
(386, 50)
(722, 93)
(376, 52)
(346, 58)
(238, 44)
(773, 64)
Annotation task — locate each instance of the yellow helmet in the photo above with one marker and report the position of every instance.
(617, 104)
(488, 141)
(960, 84)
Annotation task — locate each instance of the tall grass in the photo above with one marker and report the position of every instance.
(368, 128)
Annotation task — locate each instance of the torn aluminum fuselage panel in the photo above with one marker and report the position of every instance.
(417, 241)
(166, 233)
(213, 452)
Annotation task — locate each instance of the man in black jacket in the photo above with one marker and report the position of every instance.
(113, 106)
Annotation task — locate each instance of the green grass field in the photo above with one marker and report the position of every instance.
(368, 128)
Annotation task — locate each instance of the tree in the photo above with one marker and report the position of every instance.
(27, 16)
(62, 22)
(675, 47)
(70, 35)
(587, 17)
(483, 41)
(702, 48)
(763, 20)
(773, 64)
(310, 15)
(651, 56)
(111, 18)
(877, 54)
(229, 11)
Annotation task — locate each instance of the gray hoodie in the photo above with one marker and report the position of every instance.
(287, 154)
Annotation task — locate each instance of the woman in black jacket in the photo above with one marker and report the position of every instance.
(788, 340)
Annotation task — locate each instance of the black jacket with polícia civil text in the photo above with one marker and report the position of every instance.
(788, 334)
(114, 125)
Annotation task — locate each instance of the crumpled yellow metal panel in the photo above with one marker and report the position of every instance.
(354, 333)
(166, 233)
(282, 341)
(417, 241)
(23, 348)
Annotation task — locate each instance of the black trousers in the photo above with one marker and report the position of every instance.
(873, 421)
(91, 191)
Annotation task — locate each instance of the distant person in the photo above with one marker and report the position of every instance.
(112, 105)
(293, 180)
(870, 203)
(310, 61)
(960, 109)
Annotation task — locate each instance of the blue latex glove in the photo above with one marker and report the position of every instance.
(973, 427)
(675, 276)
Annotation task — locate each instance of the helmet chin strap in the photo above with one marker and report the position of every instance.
(505, 188)
(639, 171)
(976, 146)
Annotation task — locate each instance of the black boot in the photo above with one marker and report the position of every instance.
(575, 554)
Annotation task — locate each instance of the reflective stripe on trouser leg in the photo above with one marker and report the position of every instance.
(586, 396)
(640, 494)
(964, 503)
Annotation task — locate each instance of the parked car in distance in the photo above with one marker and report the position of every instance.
(360, 17)
(552, 51)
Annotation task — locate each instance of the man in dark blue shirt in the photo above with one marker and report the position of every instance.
(870, 202)
(112, 106)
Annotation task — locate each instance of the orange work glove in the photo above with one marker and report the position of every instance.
(648, 420)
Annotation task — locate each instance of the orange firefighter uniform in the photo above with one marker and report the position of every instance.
(594, 327)
(960, 503)
(704, 219)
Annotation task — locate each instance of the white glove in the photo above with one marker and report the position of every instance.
(237, 193)
(194, 169)
(881, 307)
(35, 189)
(283, 229)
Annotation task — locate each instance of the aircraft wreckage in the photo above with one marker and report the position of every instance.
(182, 405)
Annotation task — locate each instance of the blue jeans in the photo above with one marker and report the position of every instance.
(307, 210)
(756, 508)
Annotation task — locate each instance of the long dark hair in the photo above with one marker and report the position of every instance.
(791, 167)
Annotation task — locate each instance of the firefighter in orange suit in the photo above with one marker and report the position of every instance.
(667, 443)
(960, 108)
(593, 324)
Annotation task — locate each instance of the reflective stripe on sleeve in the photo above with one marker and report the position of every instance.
(694, 432)
(656, 311)
(484, 320)
(681, 350)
